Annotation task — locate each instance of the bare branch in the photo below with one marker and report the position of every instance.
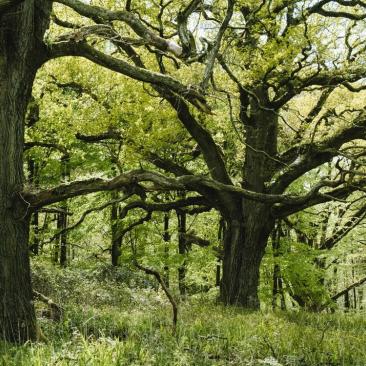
(216, 46)
(284, 210)
(168, 294)
(84, 215)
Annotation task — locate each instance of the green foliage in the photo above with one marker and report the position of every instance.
(114, 315)
(303, 278)
(132, 327)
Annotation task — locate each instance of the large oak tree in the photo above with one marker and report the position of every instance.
(269, 54)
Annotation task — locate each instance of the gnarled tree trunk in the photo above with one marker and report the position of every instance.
(245, 240)
(249, 223)
(18, 64)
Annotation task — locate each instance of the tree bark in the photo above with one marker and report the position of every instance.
(245, 241)
(116, 239)
(18, 64)
(166, 238)
(34, 181)
(249, 223)
(182, 249)
(61, 226)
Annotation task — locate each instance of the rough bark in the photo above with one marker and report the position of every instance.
(18, 64)
(250, 223)
(34, 181)
(245, 241)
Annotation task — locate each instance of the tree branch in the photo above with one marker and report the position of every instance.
(160, 182)
(216, 46)
(49, 145)
(350, 287)
(102, 15)
(82, 49)
(284, 210)
(167, 165)
(185, 36)
(303, 158)
(109, 135)
(78, 188)
(345, 229)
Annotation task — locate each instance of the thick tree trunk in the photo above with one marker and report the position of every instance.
(249, 223)
(245, 241)
(18, 56)
(17, 317)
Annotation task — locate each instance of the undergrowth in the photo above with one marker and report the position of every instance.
(111, 321)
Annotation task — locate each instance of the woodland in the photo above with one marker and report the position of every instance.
(182, 182)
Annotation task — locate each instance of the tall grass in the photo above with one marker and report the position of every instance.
(109, 323)
(207, 335)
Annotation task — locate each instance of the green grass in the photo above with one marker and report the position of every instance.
(109, 323)
(206, 335)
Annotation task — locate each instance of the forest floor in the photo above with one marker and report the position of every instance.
(116, 318)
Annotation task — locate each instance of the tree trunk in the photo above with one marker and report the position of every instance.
(18, 56)
(62, 225)
(166, 238)
(56, 248)
(65, 178)
(347, 303)
(249, 223)
(116, 239)
(182, 249)
(245, 241)
(277, 289)
(17, 317)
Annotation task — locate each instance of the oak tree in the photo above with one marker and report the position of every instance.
(257, 60)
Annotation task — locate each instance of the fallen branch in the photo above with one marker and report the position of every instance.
(159, 278)
(55, 310)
